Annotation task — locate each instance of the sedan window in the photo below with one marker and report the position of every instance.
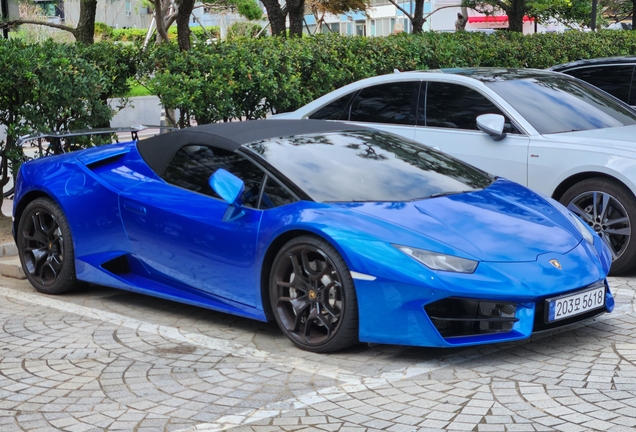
(193, 165)
(455, 106)
(614, 79)
(553, 104)
(336, 110)
(392, 103)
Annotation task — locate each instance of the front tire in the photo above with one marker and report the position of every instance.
(313, 296)
(610, 209)
(45, 247)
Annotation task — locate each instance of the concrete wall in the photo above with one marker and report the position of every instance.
(145, 110)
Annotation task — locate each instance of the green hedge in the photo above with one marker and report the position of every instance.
(138, 35)
(247, 78)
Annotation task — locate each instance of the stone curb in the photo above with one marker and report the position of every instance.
(9, 262)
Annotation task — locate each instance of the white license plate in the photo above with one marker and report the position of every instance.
(575, 304)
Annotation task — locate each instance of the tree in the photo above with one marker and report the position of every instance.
(83, 33)
(619, 10)
(515, 9)
(336, 7)
(276, 16)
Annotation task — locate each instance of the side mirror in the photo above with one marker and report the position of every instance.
(230, 188)
(493, 125)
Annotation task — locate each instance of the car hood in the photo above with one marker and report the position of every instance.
(622, 138)
(505, 222)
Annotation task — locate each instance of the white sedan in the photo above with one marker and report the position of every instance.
(551, 132)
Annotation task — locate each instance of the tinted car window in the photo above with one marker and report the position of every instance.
(553, 104)
(454, 106)
(336, 110)
(367, 166)
(275, 195)
(386, 103)
(614, 79)
(192, 166)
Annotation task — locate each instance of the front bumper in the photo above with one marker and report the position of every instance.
(405, 313)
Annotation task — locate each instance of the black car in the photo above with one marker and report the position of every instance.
(615, 75)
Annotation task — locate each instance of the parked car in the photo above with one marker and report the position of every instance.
(615, 75)
(338, 232)
(553, 133)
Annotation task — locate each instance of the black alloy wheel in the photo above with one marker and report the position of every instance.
(313, 296)
(45, 247)
(610, 210)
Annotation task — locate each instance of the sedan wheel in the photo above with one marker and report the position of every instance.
(610, 209)
(313, 297)
(45, 247)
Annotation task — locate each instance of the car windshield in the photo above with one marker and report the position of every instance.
(368, 166)
(554, 104)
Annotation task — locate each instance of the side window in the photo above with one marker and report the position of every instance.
(456, 106)
(336, 110)
(615, 80)
(192, 166)
(274, 195)
(386, 103)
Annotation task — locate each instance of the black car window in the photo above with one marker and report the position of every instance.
(614, 79)
(275, 195)
(336, 110)
(367, 165)
(455, 106)
(392, 103)
(192, 166)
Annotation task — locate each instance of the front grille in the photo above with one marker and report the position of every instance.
(456, 317)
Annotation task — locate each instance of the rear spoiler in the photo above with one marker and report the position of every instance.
(55, 137)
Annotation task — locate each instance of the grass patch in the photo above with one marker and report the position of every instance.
(138, 90)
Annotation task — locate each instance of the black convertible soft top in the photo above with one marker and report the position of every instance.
(159, 150)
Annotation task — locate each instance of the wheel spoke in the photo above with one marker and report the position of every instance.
(313, 274)
(319, 319)
(619, 231)
(299, 275)
(609, 244)
(619, 220)
(595, 204)
(574, 208)
(605, 205)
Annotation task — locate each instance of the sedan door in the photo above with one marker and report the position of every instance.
(447, 121)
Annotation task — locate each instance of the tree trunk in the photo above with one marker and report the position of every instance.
(418, 16)
(183, 24)
(296, 9)
(515, 12)
(85, 30)
(276, 17)
(634, 15)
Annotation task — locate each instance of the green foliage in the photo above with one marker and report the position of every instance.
(103, 31)
(247, 78)
(129, 35)
(58, 87)
(249, 9)
(243, 29)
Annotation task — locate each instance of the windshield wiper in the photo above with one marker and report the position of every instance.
(441, 194)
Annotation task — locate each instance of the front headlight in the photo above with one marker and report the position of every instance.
(583, 229)
(439, 261)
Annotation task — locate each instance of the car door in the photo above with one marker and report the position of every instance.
(389, 106)
(179, 230)
(447, 120)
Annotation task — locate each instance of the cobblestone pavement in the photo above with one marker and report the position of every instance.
(102, 359)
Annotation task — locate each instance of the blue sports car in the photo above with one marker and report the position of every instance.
(338, 232)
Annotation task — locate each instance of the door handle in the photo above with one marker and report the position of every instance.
(135, 208)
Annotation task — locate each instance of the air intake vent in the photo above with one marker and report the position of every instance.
(456, 317)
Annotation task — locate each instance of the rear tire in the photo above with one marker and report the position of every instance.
(313, 296)
(610, 209)
(45, 247)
